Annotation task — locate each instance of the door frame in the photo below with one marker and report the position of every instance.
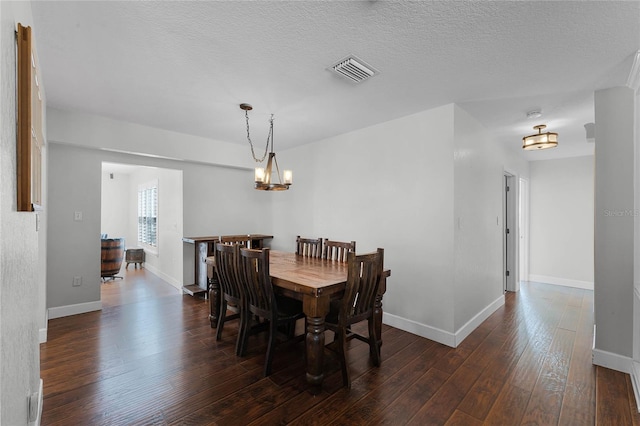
(510, 220)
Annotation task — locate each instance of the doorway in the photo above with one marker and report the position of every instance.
(120, 211)
(523, 230)
(510, 219)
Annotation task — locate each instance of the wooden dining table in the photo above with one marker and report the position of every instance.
(315, 282)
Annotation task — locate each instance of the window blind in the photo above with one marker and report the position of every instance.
(148, 215)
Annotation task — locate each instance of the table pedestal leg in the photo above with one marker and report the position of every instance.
(315, 350)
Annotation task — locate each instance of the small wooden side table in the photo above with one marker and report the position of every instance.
(135, 256)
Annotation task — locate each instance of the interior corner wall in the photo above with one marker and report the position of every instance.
(561, 221)
(75, 175)
(389, 186)
(477, 220)
(20, 285)
(614, 227)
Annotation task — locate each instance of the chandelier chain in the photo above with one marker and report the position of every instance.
(246, 114)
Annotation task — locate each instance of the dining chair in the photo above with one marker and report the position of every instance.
(231, 298)
(363, 277)
(236, 239)
(337, 250)
(262, 302)
(309, 247)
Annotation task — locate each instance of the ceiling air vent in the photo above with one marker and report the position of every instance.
(354, 69)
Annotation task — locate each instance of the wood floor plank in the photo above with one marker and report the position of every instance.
(412, 400)
(150, 357)
(441, 406)
(633, 405)
(612, 404)
(509, 406)
(546, 398)
(460, 418)
(578, 403)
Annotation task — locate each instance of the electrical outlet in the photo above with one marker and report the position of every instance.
(77, 281)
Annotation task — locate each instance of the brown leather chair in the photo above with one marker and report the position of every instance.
(357, 304)
(337, 250)
(262, 302)
(310, 247)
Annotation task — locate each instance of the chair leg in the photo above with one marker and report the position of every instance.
(242, 332)
(273, 327)
(223, 315)
(341, 342)
(374, 347)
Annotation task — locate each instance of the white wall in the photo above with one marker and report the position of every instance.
(20, 252)
(116, 206)
(614, 227)
(561, 221)
(97, 132)
(75, 178)
(389, 186)
(478, 177)
(392, 186)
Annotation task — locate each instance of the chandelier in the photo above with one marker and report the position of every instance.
(263, 177)
(540, 140)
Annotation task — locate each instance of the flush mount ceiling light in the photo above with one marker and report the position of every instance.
(540, 140)
(263, 176)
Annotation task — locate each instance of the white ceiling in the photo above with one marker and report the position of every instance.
(185, 66)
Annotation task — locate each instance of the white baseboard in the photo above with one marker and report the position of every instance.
(474, 322)
(635, 381)
(613, 361)
(587, 285)
(437, 334)
(422, 330)
(175, 283)
(80, 308)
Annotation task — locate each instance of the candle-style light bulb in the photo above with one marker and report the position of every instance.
(288, 177)
(259, 174)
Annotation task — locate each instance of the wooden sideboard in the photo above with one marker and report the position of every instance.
(203, 247)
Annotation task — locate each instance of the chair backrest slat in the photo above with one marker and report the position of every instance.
(363, 279)
(227, 268)
(337, 250)
(254, 273)
(236, 239)
(309, 247)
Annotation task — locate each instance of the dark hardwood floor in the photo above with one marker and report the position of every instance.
(150, 357)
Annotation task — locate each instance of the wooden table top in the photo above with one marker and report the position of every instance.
(306, 275)
(193, 240)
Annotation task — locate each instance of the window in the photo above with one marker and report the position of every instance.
(148, 214)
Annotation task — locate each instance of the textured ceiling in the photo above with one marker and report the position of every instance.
(185, 66)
